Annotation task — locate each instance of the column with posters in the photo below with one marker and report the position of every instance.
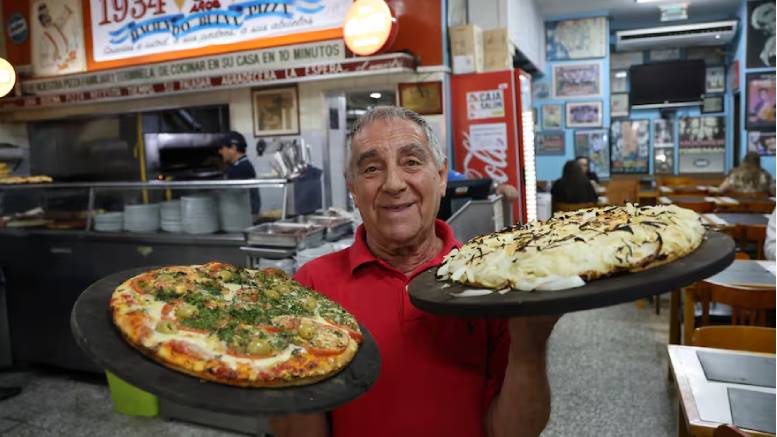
(57, 37)
(702, 144)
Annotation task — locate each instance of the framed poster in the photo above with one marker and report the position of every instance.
(760, 101)
(57, 37)
(551, 116)
(595, 145)
(619, 105)
(619, 81)
(712, 104)
(275, 111)
(550, 143)
(663, 133)
(710, 55)
(761, 142)
(624, 60)
(707, 132)
(577, 80)
(715, 79)
(584, 114)
(540, 90)
(660, 55)
(629, 145)
(424, 98)
(663, 160)
(760, 33)
(576, 39)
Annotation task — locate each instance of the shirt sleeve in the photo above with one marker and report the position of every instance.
(498, 348)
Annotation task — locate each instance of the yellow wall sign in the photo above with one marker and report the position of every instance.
(368, 27)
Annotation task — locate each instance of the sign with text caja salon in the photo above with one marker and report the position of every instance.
(123, 29)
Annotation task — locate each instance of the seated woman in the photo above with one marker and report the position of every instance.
(748, 177)
(573, 187)
(585, 164)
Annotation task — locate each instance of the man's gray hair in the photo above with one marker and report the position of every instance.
(393, 113)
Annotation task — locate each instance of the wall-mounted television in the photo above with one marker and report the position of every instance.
(667, 84)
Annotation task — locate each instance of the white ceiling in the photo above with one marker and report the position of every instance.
(628, 14)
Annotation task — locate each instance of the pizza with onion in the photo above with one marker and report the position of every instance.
(228, 324)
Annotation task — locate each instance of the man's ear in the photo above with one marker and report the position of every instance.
(349, 187)
(443, 178)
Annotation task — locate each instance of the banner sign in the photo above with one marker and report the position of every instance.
(125, 29)
(352, 67)
(265, 59)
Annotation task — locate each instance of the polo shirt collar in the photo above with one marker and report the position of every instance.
(359, 253)
(239, 160)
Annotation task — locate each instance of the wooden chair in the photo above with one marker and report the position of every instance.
(741, 338)
(700, 207)
(754, 234)
(728, 431)
(757, 207)
(622, 190)
(749, 305)
(561, 206)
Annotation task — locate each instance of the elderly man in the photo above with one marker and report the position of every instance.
(440, 376)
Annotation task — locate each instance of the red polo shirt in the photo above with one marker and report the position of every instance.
(438, 374)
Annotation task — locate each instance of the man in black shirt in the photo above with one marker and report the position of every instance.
(233, 152)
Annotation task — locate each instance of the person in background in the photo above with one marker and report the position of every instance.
(574, 186)
(769, 241)
(748, 177)
(585, 164)
(233, 153)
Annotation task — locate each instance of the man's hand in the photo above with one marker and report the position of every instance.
(508, 191)
(523, 405)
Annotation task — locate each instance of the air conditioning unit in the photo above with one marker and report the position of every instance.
(701, 34)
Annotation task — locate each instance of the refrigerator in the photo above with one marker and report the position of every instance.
(493, 133)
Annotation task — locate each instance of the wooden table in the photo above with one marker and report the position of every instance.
(718, 200)
(727, 219)
(704, 404)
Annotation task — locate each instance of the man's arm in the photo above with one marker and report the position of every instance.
(298, 425)
(522, 407)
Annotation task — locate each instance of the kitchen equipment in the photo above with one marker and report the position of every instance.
(289, 235)
(171, 216)
(199, 215)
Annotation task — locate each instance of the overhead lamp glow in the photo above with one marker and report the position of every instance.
(621, 75)
(376, 95)
(7, 77)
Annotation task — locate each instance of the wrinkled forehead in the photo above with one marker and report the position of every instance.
(388, 134)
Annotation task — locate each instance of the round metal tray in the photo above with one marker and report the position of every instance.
(714, 254)
(95, 333)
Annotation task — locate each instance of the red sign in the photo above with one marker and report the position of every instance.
(352, 67)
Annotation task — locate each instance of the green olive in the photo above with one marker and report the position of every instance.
(185, 310)
(310, 304)
(306, 330)
(258, 347)
(272, 294)
(166, 327)
(225, 275)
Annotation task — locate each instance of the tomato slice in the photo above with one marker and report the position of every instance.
(135, 283)
(356, 335)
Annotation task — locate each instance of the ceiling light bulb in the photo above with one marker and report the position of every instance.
(7, 77)
(376, 95)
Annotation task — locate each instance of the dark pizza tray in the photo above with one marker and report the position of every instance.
(714, 254)
(93, 329)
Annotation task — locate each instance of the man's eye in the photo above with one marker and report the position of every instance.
(413, 162)
(370, 169)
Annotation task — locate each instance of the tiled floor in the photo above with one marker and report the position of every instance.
(608, 371)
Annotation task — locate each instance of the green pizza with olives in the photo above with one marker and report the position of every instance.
(236, 326)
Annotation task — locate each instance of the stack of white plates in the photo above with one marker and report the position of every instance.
(171, 216)
(109, 222)
(141, 218)
(199, 215)
(235, 210)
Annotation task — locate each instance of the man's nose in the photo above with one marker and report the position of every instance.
(395, 181)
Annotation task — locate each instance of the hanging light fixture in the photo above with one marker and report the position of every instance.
(7, 77)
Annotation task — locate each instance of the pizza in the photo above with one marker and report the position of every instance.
(228, 324)
(574, 247)
(9, 180)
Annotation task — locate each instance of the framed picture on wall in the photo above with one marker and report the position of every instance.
(577, 80)
(619, 81)
(619, 105)
(576, 39)
(706, 132)
(661, 55)
(760, 101)
(275, 111)
(550, 143)
(629, 145)
(663, 160)
(584, 114)
(663, 133)
(540, 90)
(760, 33)
(715, 79)
(712, 104)
(424, 98)
(710, 55)
(761, 142)
(595, 145)
(624, 60)
(551, 116)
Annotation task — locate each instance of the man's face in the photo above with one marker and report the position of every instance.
(583, 163)
(395, 181)
(228, 154)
